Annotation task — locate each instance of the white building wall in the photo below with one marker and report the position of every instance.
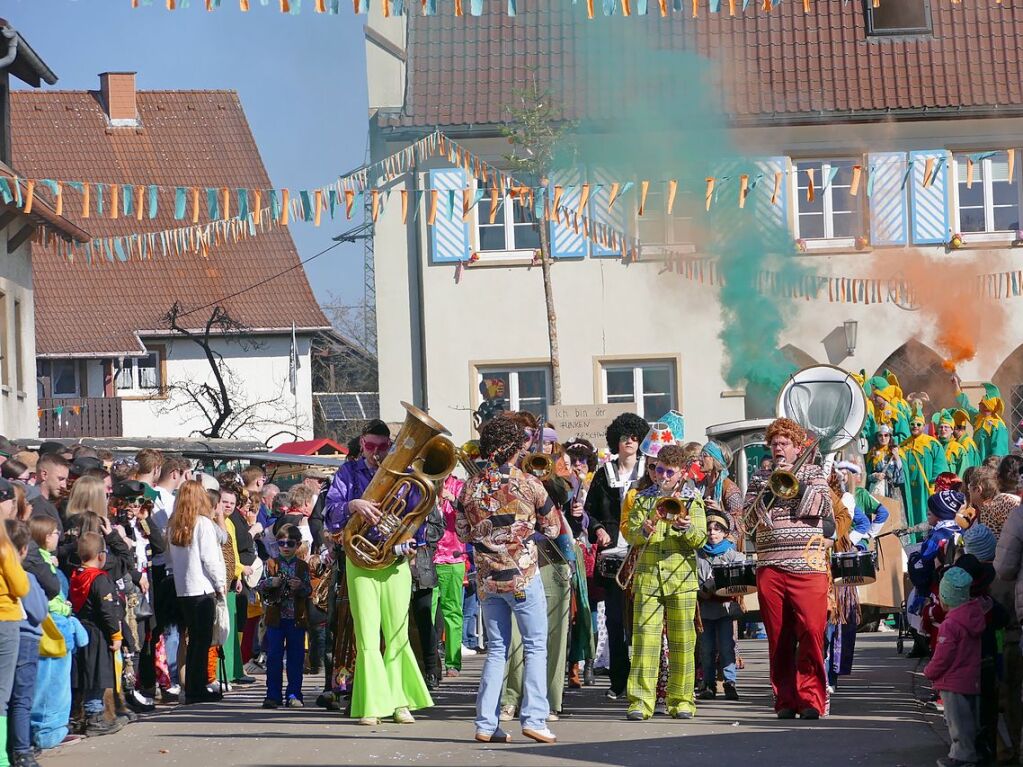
(18, 395)
(494, 313)
(260, 364)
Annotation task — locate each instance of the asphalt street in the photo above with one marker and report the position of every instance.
(875, 719)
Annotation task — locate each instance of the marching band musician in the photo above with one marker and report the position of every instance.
(720, 493)
(793, 585)
(499, 510)
(603, 505)
(665, 582)
(390, 683)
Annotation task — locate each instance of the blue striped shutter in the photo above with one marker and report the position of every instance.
(930, 208)
(450, 235)
(565, 242)
(615, 219)
(772, 218)
(888, 209)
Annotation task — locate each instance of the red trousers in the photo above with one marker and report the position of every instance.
(794, 607)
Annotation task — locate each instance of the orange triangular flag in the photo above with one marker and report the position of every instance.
(466, 203)
(696, 8)
(318, 206)
(30, 193)
(195, 205)
(59, 202)
(644, 187)
(928, 172)
(626, 7)
(854, 186)
(810, 194)
(374, 197)
(777, 187)
(433, 207)
(710, 190)
(85, 199)
(493, 204)
(589, 9)
(404, 206)
(612, 196)
(557, 196)
(225, 207)
(257, 211)
(969, 173)
(664, 7)
(743, 189)
(1012, 164)
(285, 206)
(584, 198)
(672, 189)
(349, 202)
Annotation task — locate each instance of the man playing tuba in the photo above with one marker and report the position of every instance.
(387, 684)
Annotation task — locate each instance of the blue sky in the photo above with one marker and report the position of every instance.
(301, 80)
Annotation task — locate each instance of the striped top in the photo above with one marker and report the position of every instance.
(793, 523)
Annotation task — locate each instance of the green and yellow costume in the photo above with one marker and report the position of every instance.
(961, 419)
(989, 430)
(956, 455)
(924, 459)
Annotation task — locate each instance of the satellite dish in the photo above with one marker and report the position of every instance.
(826, 401)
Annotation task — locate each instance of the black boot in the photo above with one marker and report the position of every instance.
(97, 725)
(588, 678)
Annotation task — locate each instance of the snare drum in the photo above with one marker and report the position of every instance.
(609, 562)
(853, 568)
(735, 579)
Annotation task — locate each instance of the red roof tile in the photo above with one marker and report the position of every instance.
(785, 64)
(195, 138)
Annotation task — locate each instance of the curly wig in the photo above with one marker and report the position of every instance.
(625, 425)
(786, 427)
(582, 450)
(673, 455)
(501, 438)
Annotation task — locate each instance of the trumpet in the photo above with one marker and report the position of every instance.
(666, 507)
(540, 465)
(468, 455)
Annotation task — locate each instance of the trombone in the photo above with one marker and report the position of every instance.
(666, 507)
(782, 485)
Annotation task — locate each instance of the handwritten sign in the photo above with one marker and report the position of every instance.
(586, 421)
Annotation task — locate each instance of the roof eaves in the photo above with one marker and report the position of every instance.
(27, 65)
(44, 213)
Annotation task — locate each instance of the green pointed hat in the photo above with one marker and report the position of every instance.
(943, 416)
(993, 399)
(918, 413)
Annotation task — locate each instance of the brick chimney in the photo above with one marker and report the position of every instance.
(118, 90)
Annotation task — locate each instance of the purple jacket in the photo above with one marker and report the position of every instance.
(350, 482)
(955, 666)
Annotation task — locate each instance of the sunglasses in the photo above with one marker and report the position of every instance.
(136, 501)
(667, 473)
(287, 543)
(376, 447)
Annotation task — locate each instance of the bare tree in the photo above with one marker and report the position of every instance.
(349, 320)
(535, 132)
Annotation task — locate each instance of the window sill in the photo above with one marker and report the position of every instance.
(668, 249)
(136, 397)
(503, 258)
(986, 239)
(22, 394)
(831, 246)
(5, 389)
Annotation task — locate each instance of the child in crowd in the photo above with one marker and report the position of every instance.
(285, 588)
(23, 687)
(51, 706)
(954, 669)
(94, 600)
(717, 643)
(14, 585)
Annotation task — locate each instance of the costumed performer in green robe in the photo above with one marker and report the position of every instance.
(924, 460)
(961, 419)
(989, 430)
(955, 454)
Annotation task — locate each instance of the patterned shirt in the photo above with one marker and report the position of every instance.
(995, 512)
(499, 511)
(283, 595)
(793, 523)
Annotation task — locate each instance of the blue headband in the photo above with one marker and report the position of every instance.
(712, 449)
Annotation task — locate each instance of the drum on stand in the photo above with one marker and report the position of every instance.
(853, 568)
(735, 579)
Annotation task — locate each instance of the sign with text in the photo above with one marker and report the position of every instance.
(586, 421)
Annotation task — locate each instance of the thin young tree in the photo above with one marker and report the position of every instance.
(536, 132)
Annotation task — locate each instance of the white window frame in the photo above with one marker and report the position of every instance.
(657, 207)
(131, 364)
(53, 379)
(990, 234)
(637, 367)
(829, 240)
(513, 371)
(507, 212)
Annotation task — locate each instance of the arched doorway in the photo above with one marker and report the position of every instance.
(1009, 378)
(919, 369)
(760, 399)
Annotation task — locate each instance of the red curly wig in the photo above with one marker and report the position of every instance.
(786, 427)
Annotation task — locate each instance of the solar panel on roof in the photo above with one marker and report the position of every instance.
(350, 406)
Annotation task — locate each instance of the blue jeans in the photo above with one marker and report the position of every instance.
(470, 608)
(286, 640)
(717, 646)
(92, 702)
(531, 617)
(171, 640)
(19, 710)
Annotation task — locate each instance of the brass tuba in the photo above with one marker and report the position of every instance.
(432, 456)
(540, 465)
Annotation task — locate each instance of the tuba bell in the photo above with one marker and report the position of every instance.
(421, 445)
(540, 465)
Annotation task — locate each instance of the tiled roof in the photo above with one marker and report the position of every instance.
(786, 65)
(198, 138)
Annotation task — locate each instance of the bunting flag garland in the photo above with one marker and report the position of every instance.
(389, 8)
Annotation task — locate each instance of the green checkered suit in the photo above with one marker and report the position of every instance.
(665, 581)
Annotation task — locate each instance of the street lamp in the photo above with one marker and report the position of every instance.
(850, 336)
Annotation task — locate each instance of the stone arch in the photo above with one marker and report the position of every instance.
(761, 399)
(919, 369)
(1009, 379)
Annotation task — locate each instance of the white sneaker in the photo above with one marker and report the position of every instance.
(467, 651)
(540, 736)
(294, 702)
(252, 668)
(403, 716)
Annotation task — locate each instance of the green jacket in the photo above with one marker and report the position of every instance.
(668, 564)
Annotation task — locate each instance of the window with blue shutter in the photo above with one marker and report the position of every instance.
(449, 235)
(566, 241)
(886, 185)
(615, 219)
(930, 208)
(772, 209)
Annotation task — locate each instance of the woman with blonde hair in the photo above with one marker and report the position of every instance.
(200, 579)
(88, 494)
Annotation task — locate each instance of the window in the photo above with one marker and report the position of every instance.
(898, 17)
(649, 385)
(834, 213)
(524, 388)
(19, 349)
(64, 378)
(991, 202)
(514, 226)
(138, 373)
(659, 231)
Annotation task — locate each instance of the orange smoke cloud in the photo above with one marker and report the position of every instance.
(945, 291)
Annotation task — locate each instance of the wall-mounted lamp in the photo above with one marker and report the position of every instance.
(850, 327)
